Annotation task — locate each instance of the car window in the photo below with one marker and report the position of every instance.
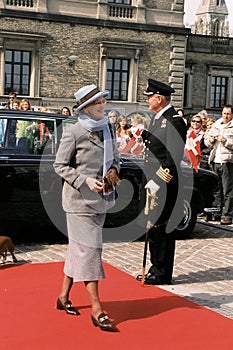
(3, 123)
(27, 136)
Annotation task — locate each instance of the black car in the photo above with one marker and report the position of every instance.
(30, 200)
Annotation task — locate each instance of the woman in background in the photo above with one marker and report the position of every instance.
(122, 134)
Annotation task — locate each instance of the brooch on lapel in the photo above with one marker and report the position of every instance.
(164, 123)
(91, 136)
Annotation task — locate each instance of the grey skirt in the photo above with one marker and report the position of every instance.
(84, 253)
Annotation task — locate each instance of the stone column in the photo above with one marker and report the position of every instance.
(177, 68)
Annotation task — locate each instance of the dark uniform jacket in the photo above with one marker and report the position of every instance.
(165, 139)
(164, 147)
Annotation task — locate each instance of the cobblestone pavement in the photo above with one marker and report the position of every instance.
(203, 270)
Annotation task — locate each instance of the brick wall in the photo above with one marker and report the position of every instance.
(58, 79)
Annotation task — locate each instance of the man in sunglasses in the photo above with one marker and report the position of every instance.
(12, 96)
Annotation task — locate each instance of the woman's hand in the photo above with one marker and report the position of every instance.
(94, 184)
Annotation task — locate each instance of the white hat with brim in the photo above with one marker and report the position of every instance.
(87, 95)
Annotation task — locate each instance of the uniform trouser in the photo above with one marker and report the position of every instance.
(162, 252)
(224, 190)
(162, 243)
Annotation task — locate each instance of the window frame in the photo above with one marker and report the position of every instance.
(218, 89)
(29, 42)
(114, 71)
(221, 72)
(120, 50)
(14, 64)
(120, 2)
(10, 146)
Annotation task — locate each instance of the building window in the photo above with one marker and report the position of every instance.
(29, 136)
(119, 69)
(26, 3)
(218, 91)
(120, 9)
(216, 28)
(17, 72)
(118, 78)
(120, 2)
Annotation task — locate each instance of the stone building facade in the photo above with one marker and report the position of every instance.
(209, 73)
(54, 47)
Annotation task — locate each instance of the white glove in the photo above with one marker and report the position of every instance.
(152, 187)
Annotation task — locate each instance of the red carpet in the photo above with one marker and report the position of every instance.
(147, 317)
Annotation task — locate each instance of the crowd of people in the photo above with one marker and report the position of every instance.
(128, 132)
(15, 104)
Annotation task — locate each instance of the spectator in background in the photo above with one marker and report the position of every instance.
(24, 127)
(122, 134)
(194, 137)
(16, 104)
(25, 105)
(220, 140)
(12, 97)
(112, 117)
(65, 111)
(205, 151)
(74, 110)
(138, 124)
(209, 122)
(196, 125)
(203, 113)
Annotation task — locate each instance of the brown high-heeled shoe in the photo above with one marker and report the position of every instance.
(67, 307)
(104, 323)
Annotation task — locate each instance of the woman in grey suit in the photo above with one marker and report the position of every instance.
(88, 162)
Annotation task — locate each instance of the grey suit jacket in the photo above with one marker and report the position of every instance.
(80, 155)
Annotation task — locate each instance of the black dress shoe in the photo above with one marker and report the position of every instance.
(104, 323)
(67, 307)
(153, 280)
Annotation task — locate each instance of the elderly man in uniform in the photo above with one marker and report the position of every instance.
(164, 147)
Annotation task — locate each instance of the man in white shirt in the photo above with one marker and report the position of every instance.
(220, 140)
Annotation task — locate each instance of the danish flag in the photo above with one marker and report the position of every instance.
(133, 146)
(193, 149)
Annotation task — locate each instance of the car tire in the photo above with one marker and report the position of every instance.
(186, 226)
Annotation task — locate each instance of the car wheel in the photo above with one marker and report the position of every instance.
(186, 226)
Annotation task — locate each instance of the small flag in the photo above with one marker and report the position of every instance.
(193, 149)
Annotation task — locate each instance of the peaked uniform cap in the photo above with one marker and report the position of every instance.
(156, 87)
(88, 94)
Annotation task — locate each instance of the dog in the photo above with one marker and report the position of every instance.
(6, 244)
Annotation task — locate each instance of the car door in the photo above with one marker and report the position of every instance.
(27, 151)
